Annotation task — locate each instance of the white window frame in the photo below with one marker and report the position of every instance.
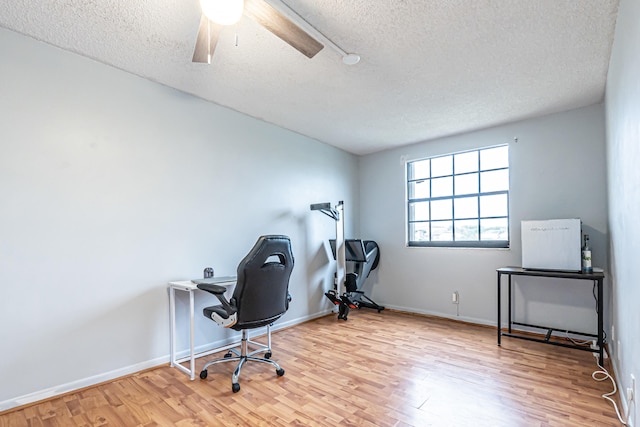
(412, 201)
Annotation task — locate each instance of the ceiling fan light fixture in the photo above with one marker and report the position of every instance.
(351, 59)
(223, 12)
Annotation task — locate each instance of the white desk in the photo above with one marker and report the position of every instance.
(190, 287)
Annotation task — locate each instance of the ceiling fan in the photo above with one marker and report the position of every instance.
(219, 13)
(274, 15)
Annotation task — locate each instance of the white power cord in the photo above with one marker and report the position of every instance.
(574, 341)
(604, 375)
(603, 372)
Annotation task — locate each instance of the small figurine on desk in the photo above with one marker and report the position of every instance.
(586, 256)
(208, 273)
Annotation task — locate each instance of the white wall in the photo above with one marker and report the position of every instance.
(623, 157)
(110, 187)
(557, 171)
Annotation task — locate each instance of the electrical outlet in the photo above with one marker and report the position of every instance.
(618, 351)
(455, 297)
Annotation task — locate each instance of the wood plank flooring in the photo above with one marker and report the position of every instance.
(376, 369)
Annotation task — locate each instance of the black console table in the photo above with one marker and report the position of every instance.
(596, 278)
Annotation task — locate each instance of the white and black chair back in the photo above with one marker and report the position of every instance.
(261, 295)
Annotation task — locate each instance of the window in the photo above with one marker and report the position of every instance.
(460, 199)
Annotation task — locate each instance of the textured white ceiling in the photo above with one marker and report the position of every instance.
(429, 68)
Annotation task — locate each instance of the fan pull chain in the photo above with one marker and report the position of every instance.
(236, 39)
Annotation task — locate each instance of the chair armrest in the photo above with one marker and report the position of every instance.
(212, 289)
(218, 291)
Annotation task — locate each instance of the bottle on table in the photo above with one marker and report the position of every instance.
(586, 256)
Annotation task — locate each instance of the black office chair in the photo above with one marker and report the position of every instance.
(261, 297)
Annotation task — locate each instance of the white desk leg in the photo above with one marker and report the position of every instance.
(172, 315)
(172, 333)
(269, 337)
(192, 359)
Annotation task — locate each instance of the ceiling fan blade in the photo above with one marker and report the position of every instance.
(206, 41)
(274, 21)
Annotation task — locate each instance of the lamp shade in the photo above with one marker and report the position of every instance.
(223, 12)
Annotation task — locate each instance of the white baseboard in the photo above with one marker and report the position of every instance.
(625, 410)
(81, 383)
(439, 314)
(128, 370)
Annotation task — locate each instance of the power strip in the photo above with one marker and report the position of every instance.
(594, 347)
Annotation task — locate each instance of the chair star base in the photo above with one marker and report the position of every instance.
(243, 356)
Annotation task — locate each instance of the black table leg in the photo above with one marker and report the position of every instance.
(509, 305)
(499, 308)
(600, 322)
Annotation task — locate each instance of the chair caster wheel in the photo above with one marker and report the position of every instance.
(235, 387)
(203, 374)
(267, 355)
(228, 355)
(280, 372)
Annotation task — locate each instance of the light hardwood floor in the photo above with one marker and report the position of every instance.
(376, 369)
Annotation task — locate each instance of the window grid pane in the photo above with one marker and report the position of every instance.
(441, 231)
(495, 180)
(419, 231)
(419, 170)
(494, 206)
(442, 209)
(442, 166)
(465, 162)
(419, 211)
(494, 158)
(461, 199)
(467, 230)
(442, 187)
(466, 184)
(494, 228)
(465, 207)
(419, 189)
